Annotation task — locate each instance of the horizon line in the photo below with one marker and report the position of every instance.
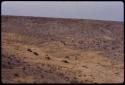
(62, 18)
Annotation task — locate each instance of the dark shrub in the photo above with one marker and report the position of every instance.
(35, 53)
(65, 61)
(29, 50)
(48, 58)
(16, 74)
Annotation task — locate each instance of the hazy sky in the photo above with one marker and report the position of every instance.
(80, 9)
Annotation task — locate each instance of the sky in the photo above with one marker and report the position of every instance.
(102, 10)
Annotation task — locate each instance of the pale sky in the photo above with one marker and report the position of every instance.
(66, 9)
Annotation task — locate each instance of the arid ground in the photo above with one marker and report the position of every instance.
(56, 50)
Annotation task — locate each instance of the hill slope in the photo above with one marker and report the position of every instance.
(56, 50)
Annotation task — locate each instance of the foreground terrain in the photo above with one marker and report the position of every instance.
(55, 50)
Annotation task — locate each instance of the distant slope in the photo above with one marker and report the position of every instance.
(83, 32)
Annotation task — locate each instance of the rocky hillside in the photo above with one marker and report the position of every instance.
(57, 50)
